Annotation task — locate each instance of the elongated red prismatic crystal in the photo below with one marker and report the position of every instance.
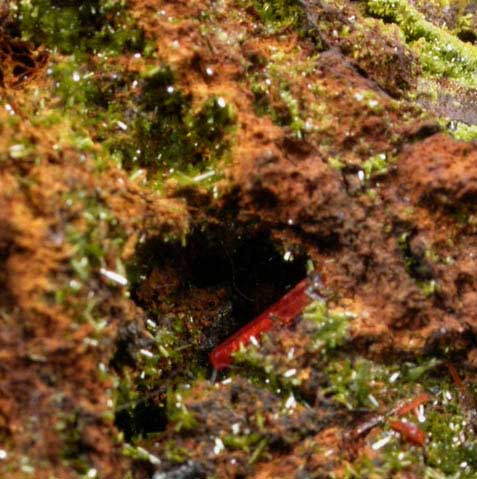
(415, 403)
(282, 313)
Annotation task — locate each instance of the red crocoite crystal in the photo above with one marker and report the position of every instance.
(282, 313)
(410, 432)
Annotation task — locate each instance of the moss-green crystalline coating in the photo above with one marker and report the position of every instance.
(68, 27)
(280, 14)
(442, 54)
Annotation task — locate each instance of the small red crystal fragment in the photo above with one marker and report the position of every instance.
(456, 378)
(410, 432)
(417, 401)
(281, 313)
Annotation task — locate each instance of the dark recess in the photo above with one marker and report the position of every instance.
(247, 265)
